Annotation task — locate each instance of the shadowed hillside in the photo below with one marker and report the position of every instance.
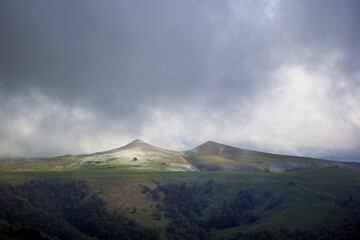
(212, 156)
(109, 204)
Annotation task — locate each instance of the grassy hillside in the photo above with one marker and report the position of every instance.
(212, 156)
(137, 155)
(139, 191)
(209, 156)
(215, 204)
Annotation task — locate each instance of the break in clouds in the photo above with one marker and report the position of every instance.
(85, 76)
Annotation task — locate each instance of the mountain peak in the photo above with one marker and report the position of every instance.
(210, 148)
(211, 144)
(137, 141)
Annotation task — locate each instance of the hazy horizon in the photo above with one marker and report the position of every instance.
(270, 75)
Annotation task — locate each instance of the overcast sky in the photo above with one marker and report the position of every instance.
(272, 75)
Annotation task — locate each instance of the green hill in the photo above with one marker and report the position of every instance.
(210, 156)
(309, 204)
(213, 191)
(137, 155)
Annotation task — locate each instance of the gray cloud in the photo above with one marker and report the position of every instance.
(81, 76)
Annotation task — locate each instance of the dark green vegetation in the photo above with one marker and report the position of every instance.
(213, 191)
(20, 233)
(65, 209)
(109, 204)
(262, 206)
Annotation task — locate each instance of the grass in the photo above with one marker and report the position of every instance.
(207, 157)
(312, 198)
(214, 156)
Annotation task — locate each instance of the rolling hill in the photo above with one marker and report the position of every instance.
(210, 156)
(136, 155)
(213, 191)
(110, 204)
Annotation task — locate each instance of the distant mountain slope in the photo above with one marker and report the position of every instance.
(212, 156)
(137, 155)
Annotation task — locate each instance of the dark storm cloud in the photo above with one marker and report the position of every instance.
(125, 51)
(175, 73)
(322, 26)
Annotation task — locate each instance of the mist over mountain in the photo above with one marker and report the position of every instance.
(210, 156)
(277, 76)
(275, 84)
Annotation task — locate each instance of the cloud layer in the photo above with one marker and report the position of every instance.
(83, 76)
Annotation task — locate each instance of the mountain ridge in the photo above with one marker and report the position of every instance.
(213, 156)
(209, 156)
